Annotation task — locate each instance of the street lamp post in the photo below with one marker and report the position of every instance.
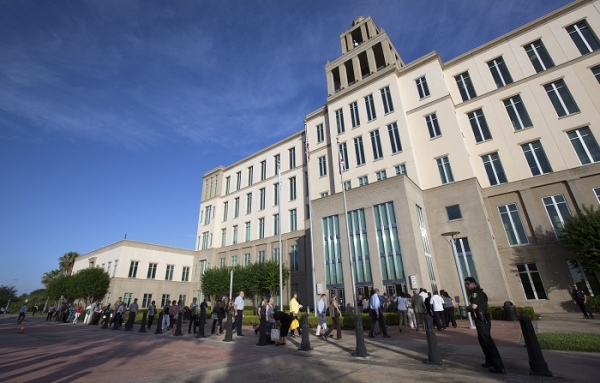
(452, 235)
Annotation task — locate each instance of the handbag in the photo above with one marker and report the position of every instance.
(295, 324)
(275, 334)
(214, 316)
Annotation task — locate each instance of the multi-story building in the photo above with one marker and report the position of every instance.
(497, 146)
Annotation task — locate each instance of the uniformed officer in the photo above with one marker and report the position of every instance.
(478, 307)
(580, 298)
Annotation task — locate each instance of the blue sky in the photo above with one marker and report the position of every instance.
(111, 111)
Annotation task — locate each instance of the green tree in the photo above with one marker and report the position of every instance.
(582, 236)
(61, 286)
(215, 281)
(50, 276)
(268, 277)
(90, 284)
(7, 293)
(67, 261)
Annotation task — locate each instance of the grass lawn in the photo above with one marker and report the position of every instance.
(570, 342)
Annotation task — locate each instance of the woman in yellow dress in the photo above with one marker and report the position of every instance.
(294, 310)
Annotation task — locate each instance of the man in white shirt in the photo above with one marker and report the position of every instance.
(437, 306)
(239, 313)
(322, 313)
(376, 314)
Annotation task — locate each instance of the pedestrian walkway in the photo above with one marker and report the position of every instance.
(56, 352)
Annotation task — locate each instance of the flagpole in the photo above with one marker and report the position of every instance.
(361, 349)
(279, 231)
(312, 242)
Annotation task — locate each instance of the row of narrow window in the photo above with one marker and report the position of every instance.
(133, 268)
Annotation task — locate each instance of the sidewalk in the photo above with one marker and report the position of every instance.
(53, 352)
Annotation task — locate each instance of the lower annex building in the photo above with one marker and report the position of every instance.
(498, 146)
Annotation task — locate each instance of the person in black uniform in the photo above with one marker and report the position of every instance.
(581, 300)
(478, 307)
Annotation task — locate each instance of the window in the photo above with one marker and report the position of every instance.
(388, 242)
(247, 231)
(236, 207)
(233, 261)
(339, 120)
(588, 283)
(445, 170)
(185, 274)
(263, 170)
(453, 212)
(332, 251)
(500, 72)
(585, 145)
(536, 158)
(133, 269)
(261, 228)
(394, 137)
(422, 87)
(479, 126)
(494, 169)
(208, 214)
(227, 184)
(261, 256)
(294, 262)
(400, 169)
(513, 226)
(561, 98)
(166, 298)
(596, 193)
(182, 298)
(205, 237)
(152, 271)
(115, 268)
(364, 180)
(147, 300)
(292, 157)
(248, 203)
(127, 298)
(320, 133)
(433, 126)
(324, 194)
(322, 166)
(292, 188)
(360, 151)
(293, 220)
(275, 224)
(235, 235)
(225, 210)
(276, 164)
(354, 114)
(276, 194)
(370, 105)
(376, 144)
(347, 185)
(517, 113)
(343, 151)
(108, 267)
(203, 264)
(386, 98)
(246, 259)
(276, 255)
(465, 258)
(558, 212)
(169, 272)
(531, 281)
(465, 86)
(238, 182)
(222, 263)
(381, 175)
(223, 237)
(596, 72)
(262, 198)
(539, 56)
(583, 37)
(250, 175)
(359, 245)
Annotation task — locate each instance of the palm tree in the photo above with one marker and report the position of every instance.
(67, 261)
(50, 276)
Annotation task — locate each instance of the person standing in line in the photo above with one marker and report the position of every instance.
(116, 306)
(118, 319)
(151, 313)
(106, 314)
(336, 316)
(96, 315)
(218, 320)
(193, 316)
(50, 312)
(580, 298)
(286, 320)
(419, 308)
(78, 311)
(377, 315)
(238, 304)
(478, 305)
(294, 310)
(448, 309)
(133, 309)
(365, 305)
(402, 307)
(261, 312)
(173, 311)
(437, 307)
(270, 310)
(88, 313)
(322, 313)
(166, 323)
(203, 307)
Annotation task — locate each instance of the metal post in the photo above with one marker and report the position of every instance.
(179, 322)
(312, 242)
(433, 353)
(537, 363)
(159, 324)
(202, 323)
(305, 345)
(279, 186)
(143, 326)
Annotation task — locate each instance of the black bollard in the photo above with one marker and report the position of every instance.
(201, 325)
(116, 321)
(179, 321)
(106, 320)
(262, 332)
(159, 324)
(537, 364)
(143, 326)
(432, 347)
(130, 320)
(361, 349)
(305, 345)
(228, 335)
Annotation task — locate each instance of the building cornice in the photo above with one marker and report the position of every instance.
(138, 245)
